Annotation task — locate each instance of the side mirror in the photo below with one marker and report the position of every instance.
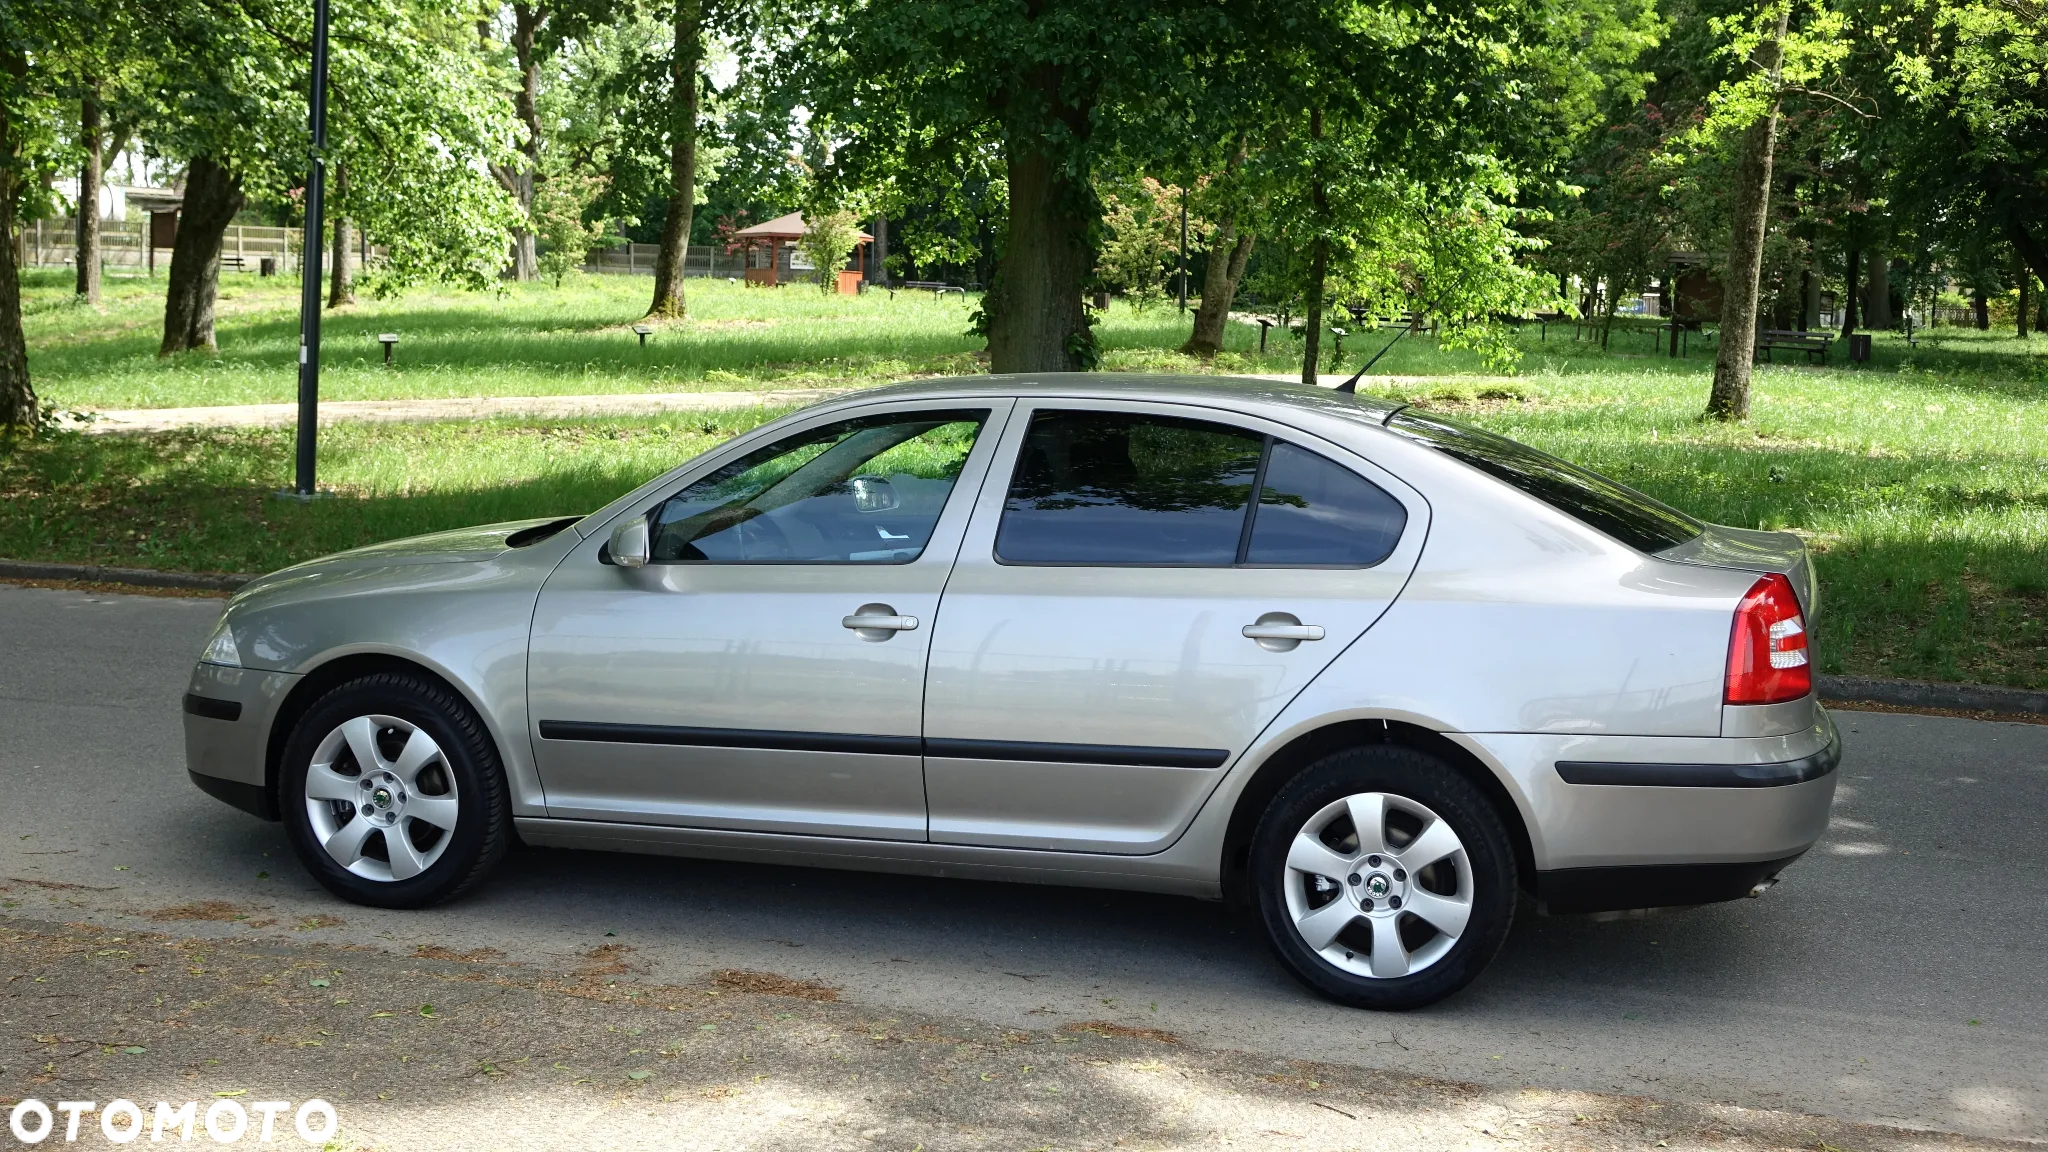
(628, 548)
(873, 494)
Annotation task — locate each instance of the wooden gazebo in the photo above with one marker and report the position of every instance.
(771, 236)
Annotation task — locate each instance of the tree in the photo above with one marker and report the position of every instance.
(414, 119)
(830, 236)
(1141, 235)
(1746, 110)
(685, 62)
(1040, 94)
(30, 31)
(561, 203)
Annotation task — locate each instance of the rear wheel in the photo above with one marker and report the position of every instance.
(1383, 877)
(392, 792)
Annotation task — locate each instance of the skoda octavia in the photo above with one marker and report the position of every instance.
(1373, 672)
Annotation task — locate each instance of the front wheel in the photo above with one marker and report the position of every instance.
(392, 792)
(1383, 877)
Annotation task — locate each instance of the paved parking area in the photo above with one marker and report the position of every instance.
(1895, 977)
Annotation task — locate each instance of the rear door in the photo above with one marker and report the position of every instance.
(1124, 617)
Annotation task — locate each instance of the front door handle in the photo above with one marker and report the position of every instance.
(877, 622)
(1281, 632)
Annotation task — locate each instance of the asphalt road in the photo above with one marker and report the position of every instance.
(1896, 976)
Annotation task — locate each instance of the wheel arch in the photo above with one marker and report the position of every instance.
(1306, 748)
(331, 674)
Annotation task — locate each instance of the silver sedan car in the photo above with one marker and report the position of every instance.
(1372, 672)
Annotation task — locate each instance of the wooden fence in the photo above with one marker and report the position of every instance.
(123, 245)
(638, 260)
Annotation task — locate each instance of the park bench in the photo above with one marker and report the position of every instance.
(934, 287)
(233, 262)
(1814, 344)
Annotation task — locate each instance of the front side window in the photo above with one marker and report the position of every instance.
(863, 491)
(1636, 520)
(1116, 489)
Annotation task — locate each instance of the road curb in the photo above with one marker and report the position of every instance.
(1925, 694)
(136, 577)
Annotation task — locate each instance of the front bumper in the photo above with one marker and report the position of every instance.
(228, 714)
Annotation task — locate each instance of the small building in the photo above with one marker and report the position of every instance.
(764, 244)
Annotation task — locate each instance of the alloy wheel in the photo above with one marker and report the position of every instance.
(1378, 885)
(380, 798)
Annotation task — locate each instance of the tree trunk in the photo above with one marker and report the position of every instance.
(1219, 289)
(1877, 303)
(1037, 321)
(2026, 301)
(526, 22)
(1319, 258)
(91, 136)
(341, 282)
(1850, 315)
(17, 395)
(682, 161)
(212, 197)
(1734, 358)
(1982, 304)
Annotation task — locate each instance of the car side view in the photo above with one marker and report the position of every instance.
(1375, 673)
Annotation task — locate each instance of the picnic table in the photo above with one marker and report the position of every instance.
(1813, 344)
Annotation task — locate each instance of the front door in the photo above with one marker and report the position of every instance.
(1125, 617)
(765, 670)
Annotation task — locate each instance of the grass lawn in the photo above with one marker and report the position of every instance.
(1921, 479)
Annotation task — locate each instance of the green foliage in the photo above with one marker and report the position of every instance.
(829, 238)
(1141, 239)
(561, 200)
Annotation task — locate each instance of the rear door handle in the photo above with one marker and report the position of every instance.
(1282, 631)
(903, 623)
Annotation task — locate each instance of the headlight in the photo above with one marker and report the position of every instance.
(221, 649)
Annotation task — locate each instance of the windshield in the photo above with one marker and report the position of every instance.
(1616, 509)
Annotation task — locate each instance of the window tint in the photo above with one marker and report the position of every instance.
(862, 491)
(1622, 512)
(1314, 512)
(1113, 488)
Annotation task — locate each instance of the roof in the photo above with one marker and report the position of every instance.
(1230, 391)
(788, 227)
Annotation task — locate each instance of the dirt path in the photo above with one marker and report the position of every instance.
(443, 408)
(451, 1050)
(614, 404)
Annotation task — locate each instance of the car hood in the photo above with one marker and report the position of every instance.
(457, 546)
(1751, 550)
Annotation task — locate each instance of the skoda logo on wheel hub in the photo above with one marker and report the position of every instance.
(382, 797)
(1377, 885)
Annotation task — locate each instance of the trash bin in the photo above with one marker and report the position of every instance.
(1859, 348)
(267, 266)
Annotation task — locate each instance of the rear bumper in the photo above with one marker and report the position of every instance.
(1597, 808)
(1652, 886)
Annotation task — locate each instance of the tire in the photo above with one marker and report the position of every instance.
(445, 796)
(1362, 905)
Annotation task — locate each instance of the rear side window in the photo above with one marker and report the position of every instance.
(1121, 489)
(1314, 513)
(1616, 509)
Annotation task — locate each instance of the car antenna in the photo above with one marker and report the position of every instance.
(1350, 387)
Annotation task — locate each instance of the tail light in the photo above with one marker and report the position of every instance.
(1767, 658)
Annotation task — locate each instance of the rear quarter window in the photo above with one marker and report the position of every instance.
(1636, 520)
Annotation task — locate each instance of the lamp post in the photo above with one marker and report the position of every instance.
(309, 296)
